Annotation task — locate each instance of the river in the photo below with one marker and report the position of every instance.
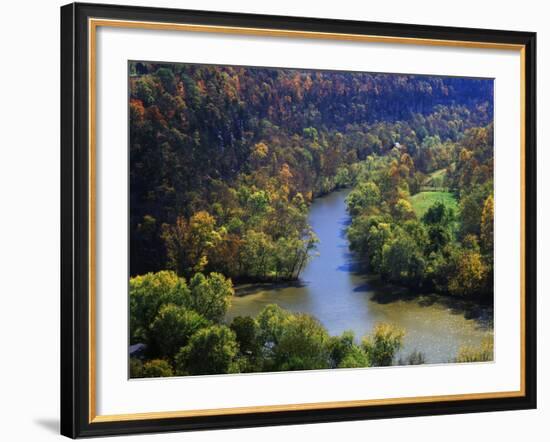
(332, 290)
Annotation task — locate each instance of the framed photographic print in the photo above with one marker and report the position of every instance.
(278, 220)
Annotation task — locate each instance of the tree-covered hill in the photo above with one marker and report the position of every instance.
(225, 160)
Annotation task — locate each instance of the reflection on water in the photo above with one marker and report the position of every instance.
(332, 290)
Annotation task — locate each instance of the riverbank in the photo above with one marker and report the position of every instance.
(333, 290)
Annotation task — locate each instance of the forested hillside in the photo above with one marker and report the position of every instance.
(225, 160)
(224, 164)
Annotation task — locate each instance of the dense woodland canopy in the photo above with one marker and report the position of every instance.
(447, 246)
(224, 162)
(227, 158)
(184, 337)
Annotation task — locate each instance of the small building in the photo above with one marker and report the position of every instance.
(137, 350)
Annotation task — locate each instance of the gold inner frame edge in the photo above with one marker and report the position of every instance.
(93, 24)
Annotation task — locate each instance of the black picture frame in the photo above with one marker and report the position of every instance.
(75, 220)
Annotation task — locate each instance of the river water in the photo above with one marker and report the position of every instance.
(332, 290)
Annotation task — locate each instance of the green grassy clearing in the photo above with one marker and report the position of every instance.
(422, 201)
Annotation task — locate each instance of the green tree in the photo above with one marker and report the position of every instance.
(210, 296)
(383, 343)
(257, 254)
(342, 178)
(440, 214)
(258, 205)
(172, 328)
(247, 334)
(147, 294)
(292, 341)
(417, 231)
(365, 197)
(367, 236)
(356, 357)
(271, 321)
(345, 354)
(402, 259)
(292, 254)
(212, 350)
(439, 236)
(302, 345)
